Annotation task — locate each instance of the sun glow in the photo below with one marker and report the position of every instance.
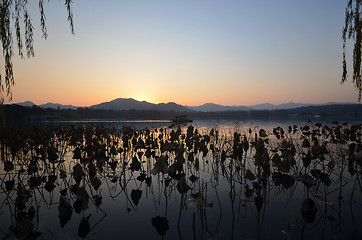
(142, 98)
(187, 56)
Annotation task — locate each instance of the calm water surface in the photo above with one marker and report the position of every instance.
(120, 183)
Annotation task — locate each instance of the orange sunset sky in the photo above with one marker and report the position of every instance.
(188, 52)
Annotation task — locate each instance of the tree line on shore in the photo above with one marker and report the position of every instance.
(345, 112)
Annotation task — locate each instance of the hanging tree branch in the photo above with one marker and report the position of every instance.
(352, 30)
(6, 40)
(13, 12)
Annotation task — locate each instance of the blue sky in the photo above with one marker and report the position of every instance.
(189, 52)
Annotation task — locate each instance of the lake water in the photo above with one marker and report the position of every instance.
(79, 180)
(203, 125)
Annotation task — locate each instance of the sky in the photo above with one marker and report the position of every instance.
(230, 52)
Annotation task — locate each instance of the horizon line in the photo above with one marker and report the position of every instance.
(234, 105)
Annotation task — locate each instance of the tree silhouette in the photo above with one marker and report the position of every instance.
(352, 30)
(12, 13)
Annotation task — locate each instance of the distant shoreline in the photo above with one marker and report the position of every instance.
(348, 112)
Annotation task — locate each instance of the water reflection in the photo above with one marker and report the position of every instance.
(184, 183)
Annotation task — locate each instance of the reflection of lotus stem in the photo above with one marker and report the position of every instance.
(179, 215)
(193, 226)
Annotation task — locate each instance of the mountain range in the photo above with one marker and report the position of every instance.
(130, 103)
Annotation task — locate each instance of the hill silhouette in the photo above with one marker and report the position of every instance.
(120, 104)
(130, 103)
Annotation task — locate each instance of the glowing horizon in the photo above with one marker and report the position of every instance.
(193, 105)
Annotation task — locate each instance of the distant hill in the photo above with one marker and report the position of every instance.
(269, 106)
(47, 105)
(171, 106)
(26, 104)
(58, 106)
(212, 107)
(123, 104)
(130, 103)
